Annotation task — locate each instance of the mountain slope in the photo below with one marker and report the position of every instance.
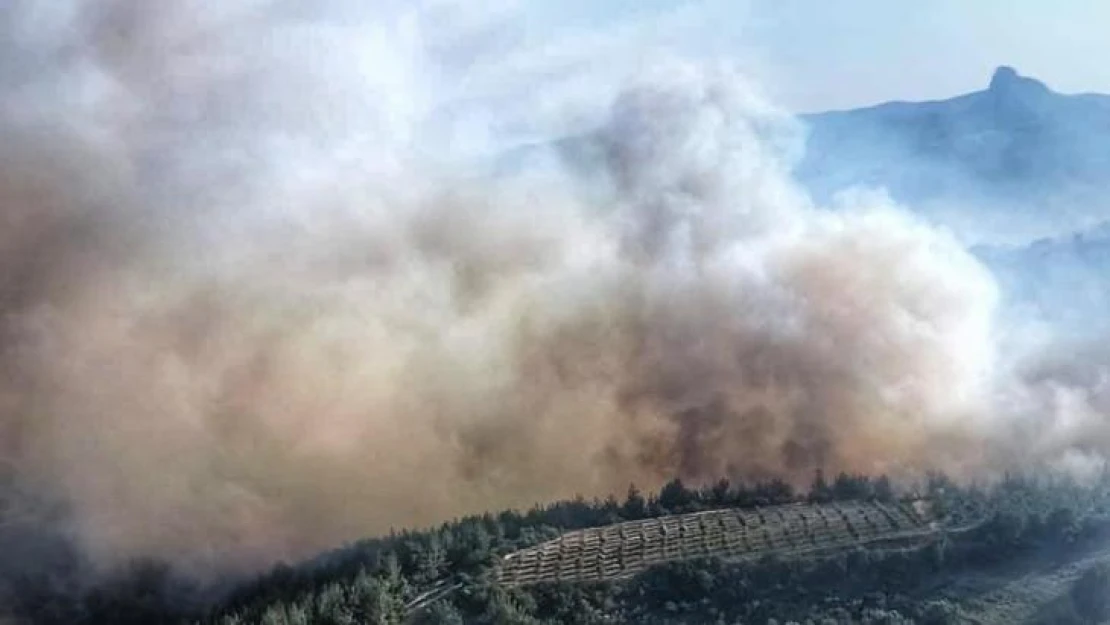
(1015, 160)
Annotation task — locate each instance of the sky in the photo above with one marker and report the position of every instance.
(814, 55)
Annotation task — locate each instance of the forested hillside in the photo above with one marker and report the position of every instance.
(448, 574)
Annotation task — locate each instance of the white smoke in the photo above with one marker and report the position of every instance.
(258, 298)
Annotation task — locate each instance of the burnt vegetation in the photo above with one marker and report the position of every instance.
(453, 573)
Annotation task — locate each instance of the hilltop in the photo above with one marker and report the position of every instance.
(1014, 161)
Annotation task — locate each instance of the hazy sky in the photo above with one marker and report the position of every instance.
(820, 54)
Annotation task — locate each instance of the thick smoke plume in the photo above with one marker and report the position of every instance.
(257, 299)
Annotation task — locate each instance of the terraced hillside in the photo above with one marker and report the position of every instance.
(625, 549)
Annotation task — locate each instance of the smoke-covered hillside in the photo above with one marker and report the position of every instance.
(261, 294)
(1028, 551)
(1018, 172)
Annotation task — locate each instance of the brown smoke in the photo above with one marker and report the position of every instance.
(245, 316)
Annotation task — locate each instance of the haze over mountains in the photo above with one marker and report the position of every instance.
(1014, 162)
(1018, 171)
(258, 300)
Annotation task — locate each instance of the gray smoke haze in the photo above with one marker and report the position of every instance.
(256, 299)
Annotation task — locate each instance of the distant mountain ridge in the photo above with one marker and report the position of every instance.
(1016, 156)
(1010, 164)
